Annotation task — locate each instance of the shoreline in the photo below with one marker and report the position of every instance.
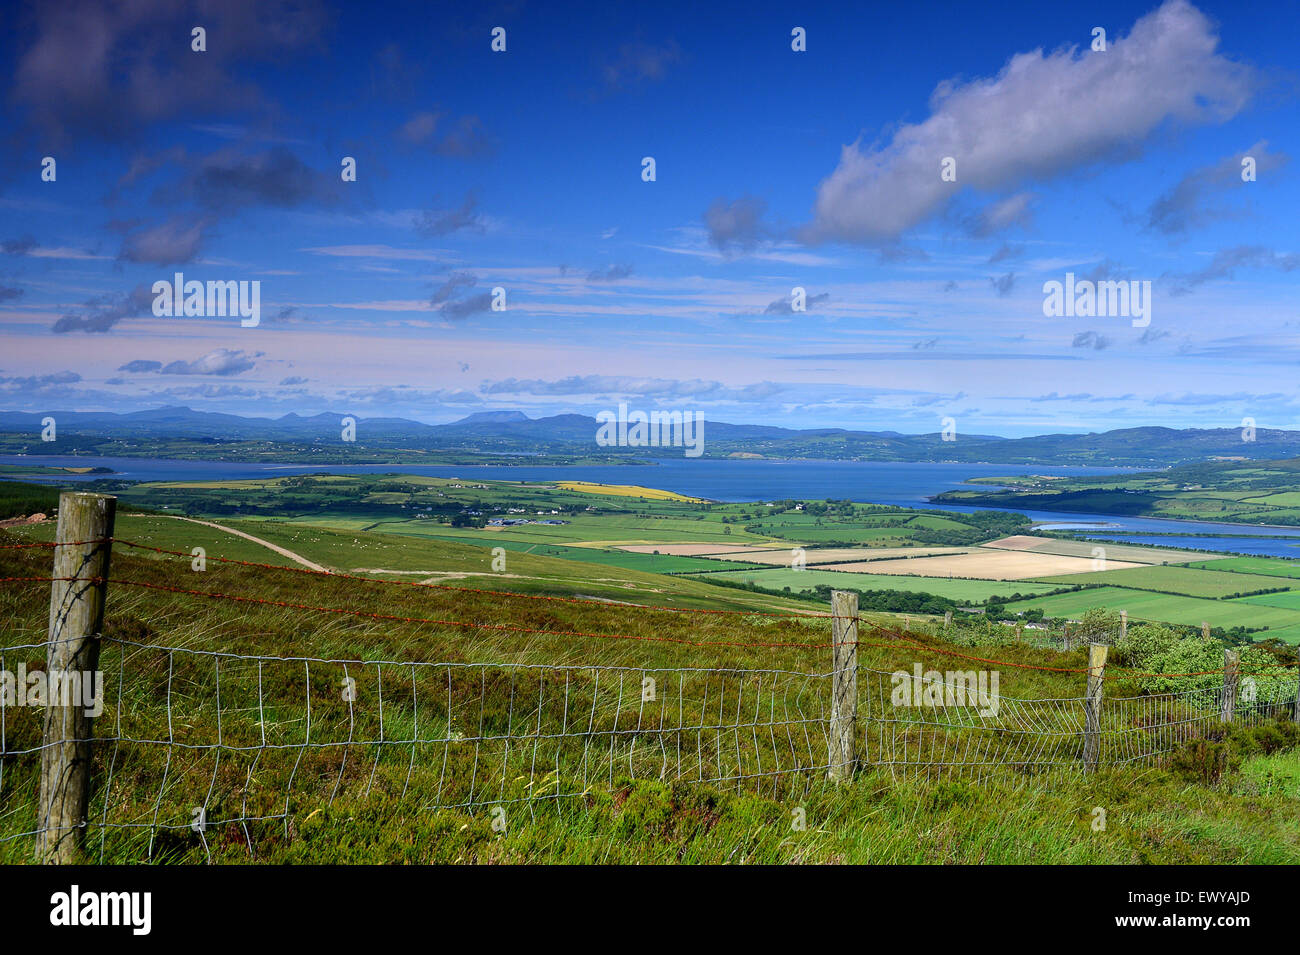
(82, 474)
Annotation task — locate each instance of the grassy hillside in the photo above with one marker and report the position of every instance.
(413, 559)
(380, 803)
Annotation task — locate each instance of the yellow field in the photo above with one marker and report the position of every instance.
(624, 490)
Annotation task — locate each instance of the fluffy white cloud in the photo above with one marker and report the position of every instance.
(1041, 116)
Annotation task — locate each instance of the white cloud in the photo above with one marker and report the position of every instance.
(1041, 116)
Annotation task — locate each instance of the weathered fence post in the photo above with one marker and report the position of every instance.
(1231, 674)
(1123, 624)
(947, 619)
(1205, 629)
(1065, 638)
(1296, 714)
(844, 685)
(1092, 706)
(76, 620)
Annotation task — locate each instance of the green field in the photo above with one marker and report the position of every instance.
(1289, 599)
(1213, 583)
(839, 533)
(1284, 499)
(613, 557)
(1267, 566)
(1185, 611)
(936, 523)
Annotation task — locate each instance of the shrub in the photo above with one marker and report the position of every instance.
(1205, 760)
(1222, 750)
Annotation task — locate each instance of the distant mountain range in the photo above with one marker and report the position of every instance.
(512, 433)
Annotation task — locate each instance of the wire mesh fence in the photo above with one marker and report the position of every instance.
(955, 723)
(947, 724)
(194, 741)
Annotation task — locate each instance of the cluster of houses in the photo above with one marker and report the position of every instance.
(516, 521)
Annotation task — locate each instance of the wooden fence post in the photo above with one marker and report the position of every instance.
(1092, 706)
(76, 621)
(1205, 629)
(844, 685)
(1065, 638)
(1296, 715)
(1231, 675)
(947, 619)
(1123, 624)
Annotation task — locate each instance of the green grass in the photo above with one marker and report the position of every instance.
(172, 534)
(937, 523)
(1289, 600)
(651, 563)
(18, 499)
(878, 536)
(1277, 774)
(1185, 611)
(1157, 818)
(1266, 566)
(1212, 582)
(1285, 499)
(463, 564)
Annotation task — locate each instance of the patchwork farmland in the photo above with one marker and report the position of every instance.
(603, 540)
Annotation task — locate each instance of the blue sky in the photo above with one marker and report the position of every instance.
(775, 169)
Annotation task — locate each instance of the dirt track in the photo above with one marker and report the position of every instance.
(296, 558)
